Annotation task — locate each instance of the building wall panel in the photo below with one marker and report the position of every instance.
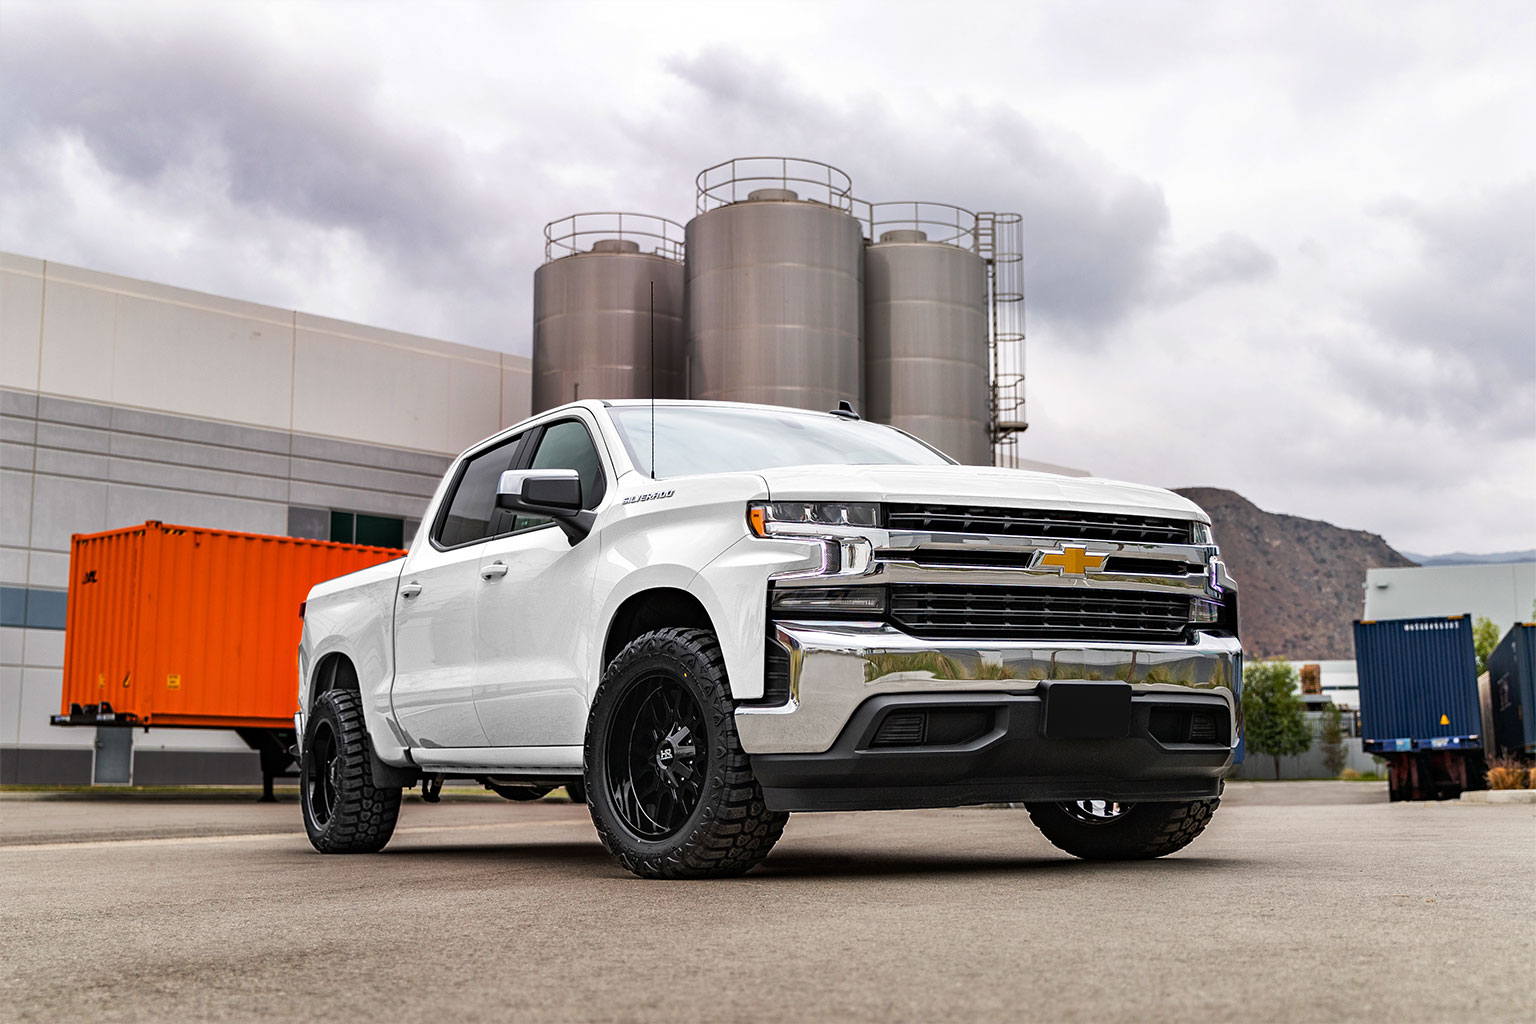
(15, 507)
(21, 320)
(13, 643)
(127, 504)
(40, 689)
(10, 701)
(187, 358)
(62, 506)
(78, 353)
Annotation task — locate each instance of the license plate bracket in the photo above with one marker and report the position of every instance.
(1085, 710)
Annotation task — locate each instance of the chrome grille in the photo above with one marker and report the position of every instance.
(950, 612)
(1051, 523)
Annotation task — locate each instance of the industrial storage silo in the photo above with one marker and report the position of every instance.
(926, 345)
(775, 304)
(592, 309)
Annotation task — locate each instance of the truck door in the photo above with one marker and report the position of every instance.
(433, 694)
(534, 609)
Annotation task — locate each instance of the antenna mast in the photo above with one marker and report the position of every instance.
(653, 380)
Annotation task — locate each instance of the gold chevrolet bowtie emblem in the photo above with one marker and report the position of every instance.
(1072, 561)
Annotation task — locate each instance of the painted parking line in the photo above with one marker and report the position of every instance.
(249, 837)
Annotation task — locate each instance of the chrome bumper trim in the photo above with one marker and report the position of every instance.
(833, 668)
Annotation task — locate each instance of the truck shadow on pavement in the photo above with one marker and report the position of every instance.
(591, 858)
(793, 864)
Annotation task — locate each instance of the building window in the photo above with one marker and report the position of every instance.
(376, 531)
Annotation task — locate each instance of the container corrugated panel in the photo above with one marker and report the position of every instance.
(185, 626)
(1512, 690)
(1418, 684)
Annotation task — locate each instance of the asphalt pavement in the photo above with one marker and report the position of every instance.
(1302, 902)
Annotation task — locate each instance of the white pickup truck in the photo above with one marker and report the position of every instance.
(700, 617)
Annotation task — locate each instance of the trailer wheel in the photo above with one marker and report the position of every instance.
(669, 788)
(1104, 830)
(344, 811)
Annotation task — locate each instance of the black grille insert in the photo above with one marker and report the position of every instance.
(902, 729)
(1175, 724)
(775, 674)
(1044, 613)
(934, 727)
(1027, 522)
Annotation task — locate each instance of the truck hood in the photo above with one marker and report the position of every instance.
(974, 485)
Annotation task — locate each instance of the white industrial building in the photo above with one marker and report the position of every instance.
(1504, 593)
(123, 401)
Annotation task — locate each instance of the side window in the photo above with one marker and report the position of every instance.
(472, 506)
(567, 445)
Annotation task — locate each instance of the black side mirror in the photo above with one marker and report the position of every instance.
(555, 493)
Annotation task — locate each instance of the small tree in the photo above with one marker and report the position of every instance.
(1330, 740)
(1273, 719)
(1485, 637)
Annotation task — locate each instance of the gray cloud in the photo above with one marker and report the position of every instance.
(1230, 259)
(1461, 319)
(312, 145)
(1092, 231)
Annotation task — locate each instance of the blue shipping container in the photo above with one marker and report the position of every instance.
(1418, 684)
(1512, 688)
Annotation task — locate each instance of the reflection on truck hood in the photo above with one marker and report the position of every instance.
(974, 485)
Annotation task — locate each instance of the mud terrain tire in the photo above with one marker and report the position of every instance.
(669, 788)
(344, 812)
(1140, 832)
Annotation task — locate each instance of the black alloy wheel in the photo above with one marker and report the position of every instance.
(656, 766)
(668, 786)
(322, 775)
(1095, 812)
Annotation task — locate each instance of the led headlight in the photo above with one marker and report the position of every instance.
(841, 600)
(793, 517)
(1200, 533)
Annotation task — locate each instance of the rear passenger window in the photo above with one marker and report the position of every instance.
(472, 506)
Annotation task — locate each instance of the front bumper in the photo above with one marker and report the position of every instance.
(817, 750)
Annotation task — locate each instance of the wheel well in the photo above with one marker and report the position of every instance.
(335, 672)
(652, 609)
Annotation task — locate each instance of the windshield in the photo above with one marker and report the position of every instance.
(712, 439)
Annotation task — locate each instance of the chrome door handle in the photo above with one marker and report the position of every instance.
(494, 571)
(410, 590)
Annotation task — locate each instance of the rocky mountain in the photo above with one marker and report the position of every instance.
(1301, 580)
(1464, 558)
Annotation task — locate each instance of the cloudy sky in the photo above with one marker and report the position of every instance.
(1285, 248)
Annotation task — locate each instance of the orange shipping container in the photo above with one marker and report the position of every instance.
(184, 626)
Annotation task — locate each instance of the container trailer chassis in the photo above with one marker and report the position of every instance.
(275, 746)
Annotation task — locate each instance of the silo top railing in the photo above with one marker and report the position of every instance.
(737, 178)
(577, 233)
(941, 222)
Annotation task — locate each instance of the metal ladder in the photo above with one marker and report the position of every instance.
(999, 241)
